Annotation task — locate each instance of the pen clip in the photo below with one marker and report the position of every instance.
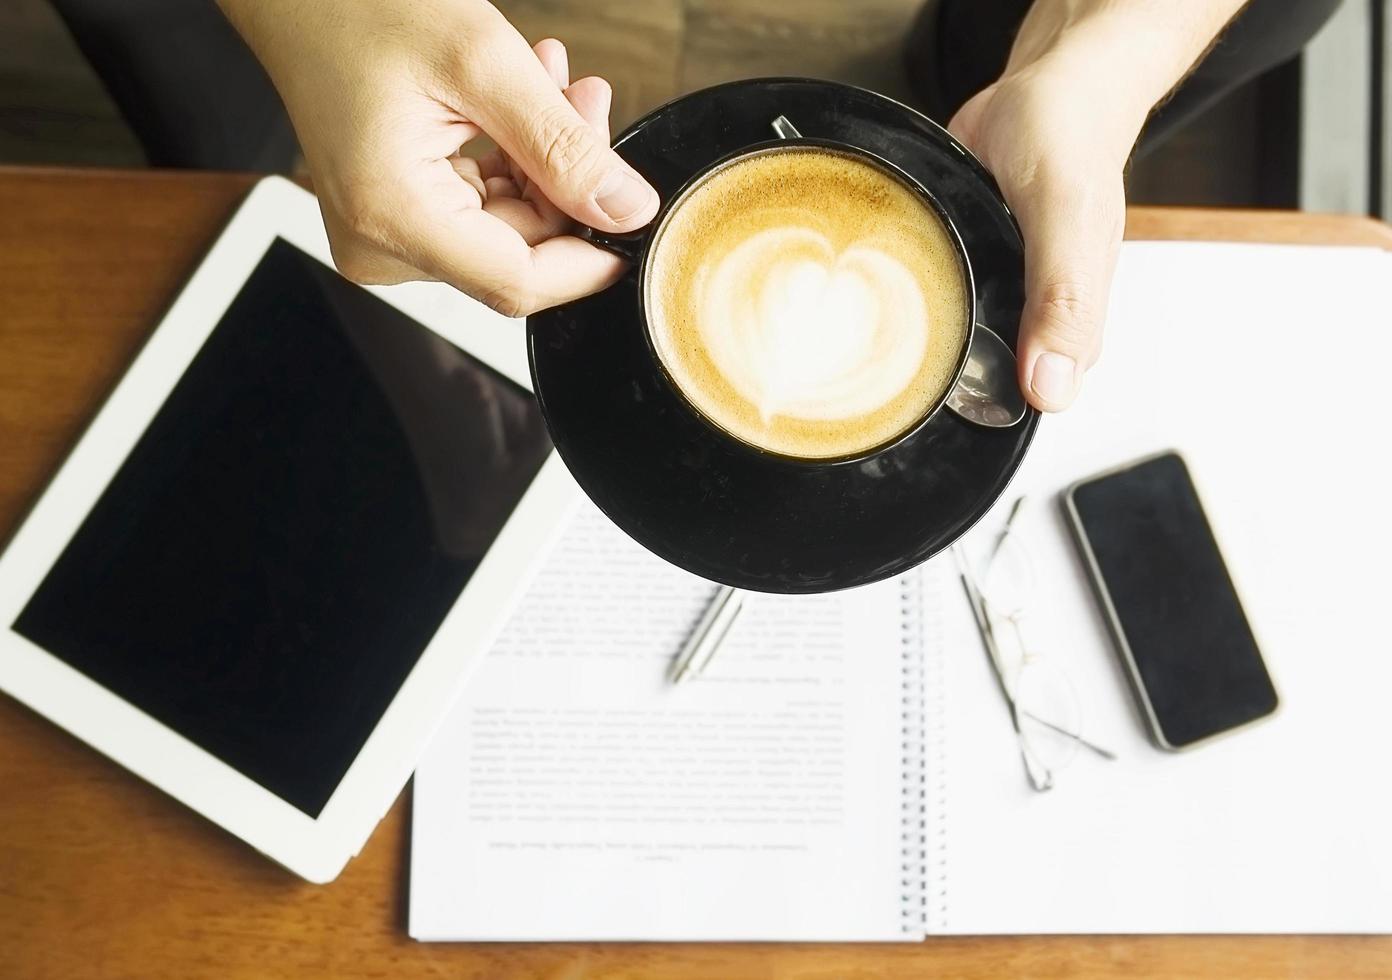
(709, 634)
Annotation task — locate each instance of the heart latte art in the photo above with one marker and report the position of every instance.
(808, 303)
(800, 330)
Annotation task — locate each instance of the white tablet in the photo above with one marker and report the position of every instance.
(261, 577)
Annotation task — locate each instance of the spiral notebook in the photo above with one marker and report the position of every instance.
(846, 769)
(783, 794)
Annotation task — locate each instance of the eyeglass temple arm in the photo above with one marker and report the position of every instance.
(1107, 754)
(1009, 528)
(1039, 775)
(983, 626)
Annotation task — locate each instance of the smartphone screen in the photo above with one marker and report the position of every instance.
(1171, 602)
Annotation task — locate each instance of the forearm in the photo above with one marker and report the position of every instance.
(246, 16)
(1133, 52)
(256, 20)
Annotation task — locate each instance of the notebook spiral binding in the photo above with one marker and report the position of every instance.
(923, 846)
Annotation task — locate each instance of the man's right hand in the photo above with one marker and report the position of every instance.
(383, 94)
(1056, 130)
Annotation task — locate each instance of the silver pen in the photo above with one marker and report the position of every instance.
(709, 633)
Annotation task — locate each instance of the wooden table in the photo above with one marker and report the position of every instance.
(101, 875)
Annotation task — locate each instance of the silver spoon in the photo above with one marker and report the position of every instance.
(988, 392)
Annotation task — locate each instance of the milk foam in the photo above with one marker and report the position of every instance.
(807, 302)
(802, 331)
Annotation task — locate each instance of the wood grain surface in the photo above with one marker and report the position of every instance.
(103, 876)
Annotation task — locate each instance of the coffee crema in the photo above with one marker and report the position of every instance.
(807, 302)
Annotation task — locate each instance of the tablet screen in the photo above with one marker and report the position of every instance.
(284, 540)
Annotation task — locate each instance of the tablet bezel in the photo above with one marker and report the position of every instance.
(316, 849)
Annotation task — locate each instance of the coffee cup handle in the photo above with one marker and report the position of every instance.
(630, 246)
(633, 245)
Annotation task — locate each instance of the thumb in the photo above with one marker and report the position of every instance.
(1072, 229)
(522, 109)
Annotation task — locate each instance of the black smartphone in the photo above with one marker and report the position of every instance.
(1166, 593)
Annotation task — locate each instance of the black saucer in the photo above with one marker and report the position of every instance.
(730, 513)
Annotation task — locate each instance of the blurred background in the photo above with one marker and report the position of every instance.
(1315, 133)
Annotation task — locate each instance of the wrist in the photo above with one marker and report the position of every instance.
(237, 12)
(244, 16)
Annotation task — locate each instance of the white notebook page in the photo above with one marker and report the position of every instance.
(574, 794)
(1226, 353)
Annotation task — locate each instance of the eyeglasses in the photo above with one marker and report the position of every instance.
(1044, 707)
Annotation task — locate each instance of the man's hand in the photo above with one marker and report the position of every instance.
(383, 94)
(1056, 130)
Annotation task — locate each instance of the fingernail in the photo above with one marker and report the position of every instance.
(1055, 378)
(622, 195)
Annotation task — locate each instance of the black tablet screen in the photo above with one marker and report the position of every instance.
(271, 559)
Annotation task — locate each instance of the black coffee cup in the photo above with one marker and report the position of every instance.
(639, 247)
